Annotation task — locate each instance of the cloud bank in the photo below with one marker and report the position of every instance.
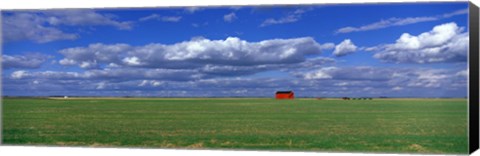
(194, 53)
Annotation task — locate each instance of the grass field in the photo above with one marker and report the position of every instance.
(379, 125)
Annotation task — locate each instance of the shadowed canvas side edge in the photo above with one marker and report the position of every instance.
(473, 78)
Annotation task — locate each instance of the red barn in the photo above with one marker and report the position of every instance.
(284, 95)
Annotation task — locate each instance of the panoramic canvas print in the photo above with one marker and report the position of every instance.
(379, 77)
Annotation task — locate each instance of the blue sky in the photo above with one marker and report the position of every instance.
(358, 50)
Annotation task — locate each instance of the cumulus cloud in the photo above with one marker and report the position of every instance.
(344, 48)
(90, 57)
(444, 43)
(131, 61)
(44, 26)
(19, 74)
(394, 21)
(196, 53)
(27, 61)
(233, 51)
(323, 73)
(230, 17)
(161, 18)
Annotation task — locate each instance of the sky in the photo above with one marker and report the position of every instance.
(354, 50)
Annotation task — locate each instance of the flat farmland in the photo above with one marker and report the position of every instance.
(378, 125)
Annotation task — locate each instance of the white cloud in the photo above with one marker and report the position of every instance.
(29, 26)
(113, 65)
(286, 19)
(341, 84)
(458, 12)
(291, 17)
(101, 85)
(132, 61)
(161, 18)
(91, 56)
(236, 51)
(327, 46)
(399, 22)
(156, 83)
(88, 65)
(150, 83)
(171, 18)
(143, 83)
(438, 35)
(67, 62)
(463, 73)
(44, 26)
(31, 61)
(312, 63)
(386, 23)
(397, 88)
(429, 79)
(19, 74)
(149, 17)
(196, 53)
(323, 73)
(386, 79)
(347, 74)
(230, 17)
(84, 17)
(123, 74)
(444, 43)
(344, 48)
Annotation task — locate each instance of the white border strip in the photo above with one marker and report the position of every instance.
(78, 151)
(51, 4)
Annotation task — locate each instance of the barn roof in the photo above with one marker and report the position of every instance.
(284, 92)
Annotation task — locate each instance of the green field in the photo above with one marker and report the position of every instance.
(379, 125)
